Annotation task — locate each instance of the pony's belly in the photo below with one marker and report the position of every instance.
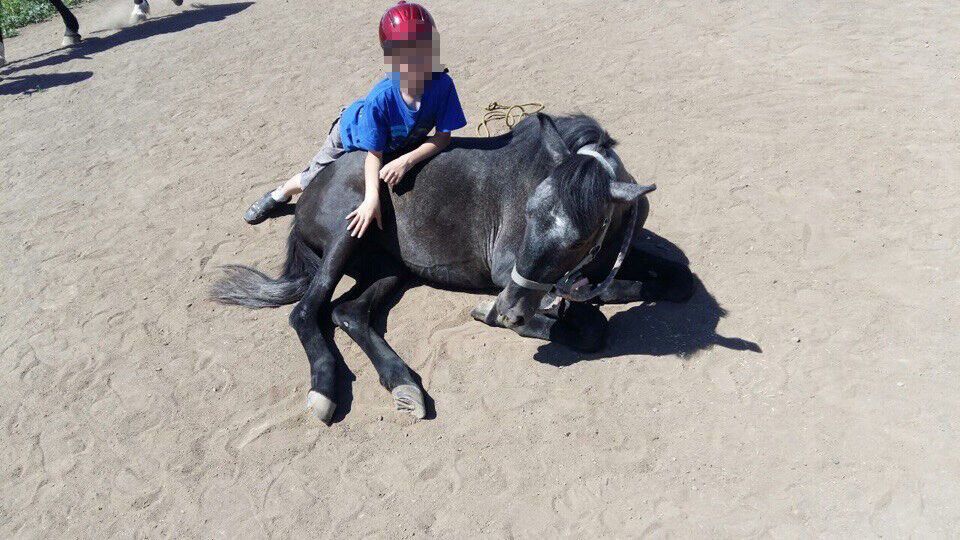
(446, 262)
(454, 275)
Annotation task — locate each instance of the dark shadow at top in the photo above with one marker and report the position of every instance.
(658, 328)
(201, 14)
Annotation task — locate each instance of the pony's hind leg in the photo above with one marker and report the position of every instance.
(354, 317)
(305, 319)
(71, 36)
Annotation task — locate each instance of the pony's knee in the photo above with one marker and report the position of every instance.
(301, 318)
(583, 327)
(346, 316)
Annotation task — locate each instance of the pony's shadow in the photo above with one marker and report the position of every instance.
(38, 82)
(201, 14)
(658, 328)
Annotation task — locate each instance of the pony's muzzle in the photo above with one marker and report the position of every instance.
(510, 320)
(516, 305)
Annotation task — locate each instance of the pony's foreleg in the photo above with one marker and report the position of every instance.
(622, 291)
(71, 36)
(354, 318)
(579, 326)
(305, 319)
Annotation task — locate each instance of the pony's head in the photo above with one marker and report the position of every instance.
(569, 212)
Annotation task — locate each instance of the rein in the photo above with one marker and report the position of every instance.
(573, 286)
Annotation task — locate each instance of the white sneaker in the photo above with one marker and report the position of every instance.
(3, 61)
(140, 12)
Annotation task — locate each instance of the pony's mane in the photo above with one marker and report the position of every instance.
(583, 184)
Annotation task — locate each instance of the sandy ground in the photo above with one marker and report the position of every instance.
(808, 157)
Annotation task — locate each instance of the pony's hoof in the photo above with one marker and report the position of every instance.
(485, 312)
(409, 399)
(140, 13)
(321, 406)
(69, 40)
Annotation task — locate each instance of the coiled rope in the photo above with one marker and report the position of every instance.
(509, 114)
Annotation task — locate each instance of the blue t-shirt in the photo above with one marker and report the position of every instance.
(383, 122)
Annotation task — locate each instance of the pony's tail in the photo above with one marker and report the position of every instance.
(249, 287)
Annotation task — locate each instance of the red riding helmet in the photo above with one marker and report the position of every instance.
(406, 22)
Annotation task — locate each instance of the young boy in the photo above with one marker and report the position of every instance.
(397, 114)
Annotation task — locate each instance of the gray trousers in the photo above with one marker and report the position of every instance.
(332, 149)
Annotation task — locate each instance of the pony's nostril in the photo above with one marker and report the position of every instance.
(519, 321)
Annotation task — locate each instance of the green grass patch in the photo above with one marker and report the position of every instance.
(17, 13)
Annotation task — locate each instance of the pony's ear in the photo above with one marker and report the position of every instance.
(551, 139)
(628, 192)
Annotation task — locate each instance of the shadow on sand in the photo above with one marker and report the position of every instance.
(201, 14)
(38, 82)
(657, 328)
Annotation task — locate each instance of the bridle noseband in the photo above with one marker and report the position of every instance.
(569, 286)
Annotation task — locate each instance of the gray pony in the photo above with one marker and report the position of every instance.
(546, 217)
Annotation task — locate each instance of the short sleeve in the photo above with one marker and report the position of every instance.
(450, 116)
(373, 126)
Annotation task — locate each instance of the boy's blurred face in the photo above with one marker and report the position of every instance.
(412, 60)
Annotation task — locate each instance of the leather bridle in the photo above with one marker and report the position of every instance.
(571, 285)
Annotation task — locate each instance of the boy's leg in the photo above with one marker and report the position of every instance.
(141, 10)
(272, 200)
(332, 149)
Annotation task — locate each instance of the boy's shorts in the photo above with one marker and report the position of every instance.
(332, 149)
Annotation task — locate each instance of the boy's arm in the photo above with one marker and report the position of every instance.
(394, 171)
(369, 209)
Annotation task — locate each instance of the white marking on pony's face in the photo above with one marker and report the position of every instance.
(562, 226)
(551, 222)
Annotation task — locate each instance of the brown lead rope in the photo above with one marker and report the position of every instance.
(509, 114)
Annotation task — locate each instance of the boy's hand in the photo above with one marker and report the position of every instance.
(393, 172)
(363, 216)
